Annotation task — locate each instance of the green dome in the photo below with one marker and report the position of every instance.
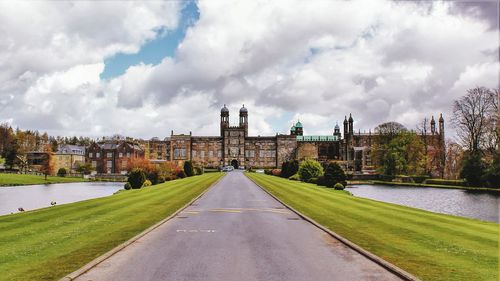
(293, 128)
(298, 125)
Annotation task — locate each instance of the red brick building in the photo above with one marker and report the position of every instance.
(112, 157)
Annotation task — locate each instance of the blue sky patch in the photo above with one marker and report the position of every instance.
(154, 51)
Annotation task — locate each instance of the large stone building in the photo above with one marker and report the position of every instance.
(235, 147)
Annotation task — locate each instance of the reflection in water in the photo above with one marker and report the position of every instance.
(483, 205)
(40, 196)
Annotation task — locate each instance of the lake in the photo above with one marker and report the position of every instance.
(482, 205)
(32, 197)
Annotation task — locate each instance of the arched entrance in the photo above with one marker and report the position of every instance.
(234, 163)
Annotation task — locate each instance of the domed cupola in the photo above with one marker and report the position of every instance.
(224, 109)
(243, 109)
(298, 124)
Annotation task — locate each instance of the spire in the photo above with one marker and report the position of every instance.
(441, 119)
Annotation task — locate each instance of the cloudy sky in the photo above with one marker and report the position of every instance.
(143, 69)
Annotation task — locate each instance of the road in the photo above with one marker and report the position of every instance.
(236, 231)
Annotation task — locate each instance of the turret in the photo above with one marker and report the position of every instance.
(244, 119)
(351, 126)
(345, 127)
(441, 126)
(336, 130)
(298, 129)
(433, 125)
(224, 119)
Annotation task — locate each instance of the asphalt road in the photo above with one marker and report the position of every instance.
(237, 232)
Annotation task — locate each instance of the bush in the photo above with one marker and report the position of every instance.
(313, 180)
(339, 186)
(445, 182)
(276, 172)
(146, 183)
(295, 177)
(419, 179)
(492, 176)
(188, 168)
(180, 174)
(268, 171)
(309, 169)
(473, 170)
(333, 175)
(198, 171)
(153, 177)
(127, 186)
(136, 178)
(289, 168)
(62, 172)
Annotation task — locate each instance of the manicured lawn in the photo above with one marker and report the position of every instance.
(49, 243)
(431, 246)
(22, 179)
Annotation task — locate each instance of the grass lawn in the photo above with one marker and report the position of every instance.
(429, 245)
(22, 179)
(49, 243)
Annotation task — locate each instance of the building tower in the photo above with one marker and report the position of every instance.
(351, 127)
(292, 130)
(433, 125)
(441, 127)
(224, 119)
(298, 129)
(244, 119)
(351, 138)
(336, 131)
(346, 138)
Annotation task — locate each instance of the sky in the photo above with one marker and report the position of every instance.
(142, 69)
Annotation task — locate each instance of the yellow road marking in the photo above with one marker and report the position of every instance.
(225, 210)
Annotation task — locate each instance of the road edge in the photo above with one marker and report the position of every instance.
(385, 264)
(82, 270)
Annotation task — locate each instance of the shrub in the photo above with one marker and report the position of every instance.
(339, 186)
(313, 180)
(153, 176)
(146, 183)
(295, 177)
(62, 172)
(127, 186)
(419, 179)
(268, 171)
(473, 169)
(310, 169)
(445, 182)
(136, 178)
(181, 174)
(188, 168)
(198, 171)
(492, 175)
(333, 175)
(276, 172)
(289, 168)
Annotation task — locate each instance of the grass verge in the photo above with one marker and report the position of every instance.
(49, 243)
(429, 245)
(22, 179)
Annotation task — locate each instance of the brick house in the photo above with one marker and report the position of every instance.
(112, 157)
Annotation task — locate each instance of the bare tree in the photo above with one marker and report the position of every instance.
(492, 134)
(471, 115)
(454, 156)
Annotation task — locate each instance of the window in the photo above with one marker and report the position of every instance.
(194, 153)
(97, 154)
(120, 154)
(109, 154)
(180, 153)
(219, 154)
(128, 154)
(94, 164)
(261, 153)
(210, 154)
(91, 154)
(109, 164)
(202, 154)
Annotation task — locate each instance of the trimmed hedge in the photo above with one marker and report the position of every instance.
(445, 182)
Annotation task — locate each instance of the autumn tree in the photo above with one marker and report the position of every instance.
(48, 163)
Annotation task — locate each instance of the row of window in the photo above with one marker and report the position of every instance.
(262, 153)
(109, 164)
(202, 154)
(108, 154)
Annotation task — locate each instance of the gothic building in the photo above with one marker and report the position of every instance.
(235, 147)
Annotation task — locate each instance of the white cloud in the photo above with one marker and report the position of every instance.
(319, 61)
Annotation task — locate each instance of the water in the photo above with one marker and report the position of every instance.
(32, 197)
(482, 205)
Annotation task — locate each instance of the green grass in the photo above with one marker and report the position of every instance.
(49, 243)
(429, 245)
(22, 179)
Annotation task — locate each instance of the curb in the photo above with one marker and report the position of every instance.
(98, 260)
(385, 264)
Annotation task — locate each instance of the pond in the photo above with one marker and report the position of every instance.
(32, 197)
(482, 205)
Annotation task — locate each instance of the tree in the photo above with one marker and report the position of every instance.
(492, 175)
(136, 178)
(333, 175)
(454, 157)
(84, 168)
(404, 155)
(289, 168)
(188, 168)
(310, 169)
(384, 134)
(61, 172)
(48, 163)
(473, 169)
(472, 116)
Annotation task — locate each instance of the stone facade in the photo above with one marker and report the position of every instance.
(235, 147)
